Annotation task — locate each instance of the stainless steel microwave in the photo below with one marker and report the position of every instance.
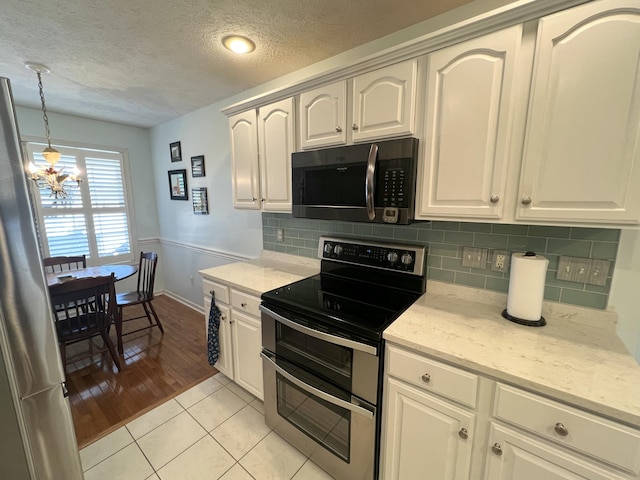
(369, 182)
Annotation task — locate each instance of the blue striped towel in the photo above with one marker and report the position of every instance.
(213, 345)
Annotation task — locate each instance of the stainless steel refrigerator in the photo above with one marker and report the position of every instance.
(37, 440)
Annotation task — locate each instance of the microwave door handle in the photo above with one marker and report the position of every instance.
(267, 356)
(369, 181)
(345, 342)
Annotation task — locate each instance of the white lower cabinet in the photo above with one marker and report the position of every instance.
(240, 335)
(425, 437)
(423, 434)
(514, 456)
(442, 422)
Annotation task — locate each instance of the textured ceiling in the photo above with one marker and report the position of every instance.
(143, 62)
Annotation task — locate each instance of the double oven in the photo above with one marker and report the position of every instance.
(323, 350)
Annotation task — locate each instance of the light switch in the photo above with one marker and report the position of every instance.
(583, 270)
(474, 257)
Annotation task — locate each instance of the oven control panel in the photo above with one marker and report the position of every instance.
(394, 257)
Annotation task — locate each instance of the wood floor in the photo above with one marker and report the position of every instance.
(155, 368)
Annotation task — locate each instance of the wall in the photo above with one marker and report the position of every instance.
(625, 291)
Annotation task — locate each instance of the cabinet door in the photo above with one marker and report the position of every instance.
(225, 359)
(247, 344)
(469, 105)
(243, 130)
(323, 116)
(582, 151)
(513, 456)
(423, 436)
(384, 102)
(276, 139)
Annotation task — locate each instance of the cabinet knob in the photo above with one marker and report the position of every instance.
(230, 322)
(339, 129)
(354, 127)
(426, 378)
(463, 433)
(243, 304)
(253, 199)
(223, 318)
(494, 198)
(526, 200)
(561, 430)
(497, 449)
(262, 199)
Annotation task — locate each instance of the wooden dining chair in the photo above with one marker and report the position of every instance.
(142, 296)
(84, 308)
(64, 264)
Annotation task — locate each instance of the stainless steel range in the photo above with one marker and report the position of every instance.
(322, 350)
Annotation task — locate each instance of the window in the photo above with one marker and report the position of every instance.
(95, 219)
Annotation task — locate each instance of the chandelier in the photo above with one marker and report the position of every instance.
(49, 177)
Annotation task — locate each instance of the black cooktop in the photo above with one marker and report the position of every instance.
(341, 306)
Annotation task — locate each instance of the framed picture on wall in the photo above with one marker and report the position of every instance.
(197, 166)
(176, 152)
(178, 184)
(200, 203)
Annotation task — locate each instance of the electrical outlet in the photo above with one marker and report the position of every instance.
(475, 257)
(280, 234)
(500, 261)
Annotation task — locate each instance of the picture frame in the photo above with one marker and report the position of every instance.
(200, 202)
(178, 184)
(197, 166)
(176, 151)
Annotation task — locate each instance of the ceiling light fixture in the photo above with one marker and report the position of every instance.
(49, 177)
(239, 44)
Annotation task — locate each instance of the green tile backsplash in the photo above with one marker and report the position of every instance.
(445, 240)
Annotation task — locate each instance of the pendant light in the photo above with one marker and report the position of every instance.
(49, 177)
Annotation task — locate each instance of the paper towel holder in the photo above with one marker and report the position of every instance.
(541, 322)
(529, 323)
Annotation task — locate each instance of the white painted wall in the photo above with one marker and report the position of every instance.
(625, 291)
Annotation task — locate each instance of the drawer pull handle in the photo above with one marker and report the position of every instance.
(243, 305)
(463, 433)
(497, 449)
(426, 378)
(561, 429)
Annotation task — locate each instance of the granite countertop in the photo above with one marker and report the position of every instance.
(576, 357)
(271, 270)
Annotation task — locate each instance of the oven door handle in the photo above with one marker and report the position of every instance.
(267, 356)
(345, 342)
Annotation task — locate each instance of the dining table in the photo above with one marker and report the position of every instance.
(120, 271)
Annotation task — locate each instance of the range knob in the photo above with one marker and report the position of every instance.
(328, 248)
(392, 257)
(337, 249)
(407, 259)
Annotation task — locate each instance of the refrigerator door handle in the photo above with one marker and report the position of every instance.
(65, 390)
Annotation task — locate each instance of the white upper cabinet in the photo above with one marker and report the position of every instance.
(276, 138)
(383, 105)
(582, 152)
(469, 105)
(244, 156)
(323, 116)
(261, 147)
(384, 102)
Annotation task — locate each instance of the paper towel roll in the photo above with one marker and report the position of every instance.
(526, 286)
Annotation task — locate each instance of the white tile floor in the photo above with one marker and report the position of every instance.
(213, 431)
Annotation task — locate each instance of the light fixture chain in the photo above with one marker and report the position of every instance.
(44, 109)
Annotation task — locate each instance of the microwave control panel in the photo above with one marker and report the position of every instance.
(394, 187)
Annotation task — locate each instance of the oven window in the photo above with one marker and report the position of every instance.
(324, 359)
(327, 424)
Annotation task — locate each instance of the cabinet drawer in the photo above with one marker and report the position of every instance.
(221, 291)
(245, 303)
(610, 442)
(432, 375)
